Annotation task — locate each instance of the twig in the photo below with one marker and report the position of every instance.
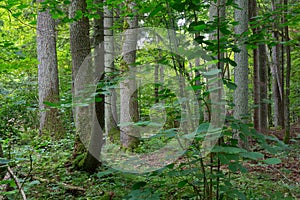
(30, 170)
(17, 183)
(65, 185)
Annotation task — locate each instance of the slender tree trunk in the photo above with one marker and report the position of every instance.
(156, 87)
(111, 118)
(241, 70)
(47, 73)
(128, 94)
(288, 76)
(263, 84)
(256, 87)
(278, 95)
(2, 169)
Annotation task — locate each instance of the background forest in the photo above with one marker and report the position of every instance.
(146, 99)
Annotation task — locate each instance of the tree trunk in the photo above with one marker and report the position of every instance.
(47, 73)
(80, 49)
(2, 169)
(256, 87)
(241, 70)
(111, 118)
(288, 76)
(128, 95)
(263, 87)
(278, 95)
(92, 159)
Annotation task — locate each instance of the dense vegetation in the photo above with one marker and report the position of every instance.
(192, 101)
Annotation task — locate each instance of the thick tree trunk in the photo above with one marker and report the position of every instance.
(128, 94)
(92, 159)
(241, 70)
(80, 49)
(47, 73)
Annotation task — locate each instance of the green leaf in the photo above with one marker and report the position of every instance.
(230, 85)
(101, 174)
(4, 161)
(181, 184)
(229, 150)
(225, 31)
(155, 11)
(272, 161)
(50, 104)
(252, 155)
(200, 27)
(35, 182)
(138, 185)
(229, 2)
(212, 73)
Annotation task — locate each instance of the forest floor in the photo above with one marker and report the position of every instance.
(288, 171)
(41, 168)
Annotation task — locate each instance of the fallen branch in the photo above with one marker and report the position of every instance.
(17, 183)
(65, 185)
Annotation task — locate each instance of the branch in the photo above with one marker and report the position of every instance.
(17, 183)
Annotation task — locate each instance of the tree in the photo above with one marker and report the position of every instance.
(288, 75)
(80, 49)
(277, 69)
(241, 58)
(92, 159)
(110, 98)
(260, 71)
(128, 93)
(47, 72)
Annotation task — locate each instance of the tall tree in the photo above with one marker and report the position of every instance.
(80, 49)
(288, 75)
(260, 71)
(110, 98)
(277, 69)
(263, 87)
(48, 82)
(241, 58)
(128, 94)
(92, 159)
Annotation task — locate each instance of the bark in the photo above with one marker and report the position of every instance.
(111, 118)
(128, 95)
(256, 88)
(2, 169)
(92, 159)
(48, 84)
(80, 50)
(156, 87)
(288, 76)
(217, 14)
(278, 95)
(263, 86)
(79, 36)
(241, 70)
(260, 66)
